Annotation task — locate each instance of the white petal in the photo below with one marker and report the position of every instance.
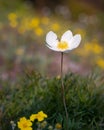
(52, 48)
(67, 36)
(74, 43)
(76, 40)
(51, 39)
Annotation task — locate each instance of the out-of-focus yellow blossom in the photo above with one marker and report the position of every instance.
(12, 16)
(91, 48)
(39, 116)
(88, 47)
(100, 62)
(13, 20)
(34, 22)
(45, 20)
(20, 51)
(58, 126)
(96, 48)
(55, 27)
(24, 124)
(38, 31)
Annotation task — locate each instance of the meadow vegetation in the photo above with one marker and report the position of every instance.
(34, 92)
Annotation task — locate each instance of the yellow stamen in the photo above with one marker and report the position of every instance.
(62, 45)
(25, 125)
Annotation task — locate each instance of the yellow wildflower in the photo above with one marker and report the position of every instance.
(34, 22)
(38, 31)
(13, 19)
(97, 48)
(58, 126)
(93, 47)
(100, 62)
(33, 117)
(88, 47)
(24, 124)
(39, 116)
(12, 16)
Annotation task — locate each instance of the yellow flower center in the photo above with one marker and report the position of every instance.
(24, 125)
(62, 45)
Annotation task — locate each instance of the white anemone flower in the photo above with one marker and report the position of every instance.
(65, 44)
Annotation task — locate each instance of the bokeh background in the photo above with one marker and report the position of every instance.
(25, 23)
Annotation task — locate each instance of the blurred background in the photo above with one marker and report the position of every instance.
(25, 23)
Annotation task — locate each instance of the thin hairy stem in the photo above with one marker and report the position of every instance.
(63, 91)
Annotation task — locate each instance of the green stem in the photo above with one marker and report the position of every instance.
(63, 91)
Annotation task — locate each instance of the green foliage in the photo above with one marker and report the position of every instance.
(84, 97)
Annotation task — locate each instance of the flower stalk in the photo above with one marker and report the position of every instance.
(63, 91)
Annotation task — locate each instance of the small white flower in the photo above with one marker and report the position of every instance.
(67, 42)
